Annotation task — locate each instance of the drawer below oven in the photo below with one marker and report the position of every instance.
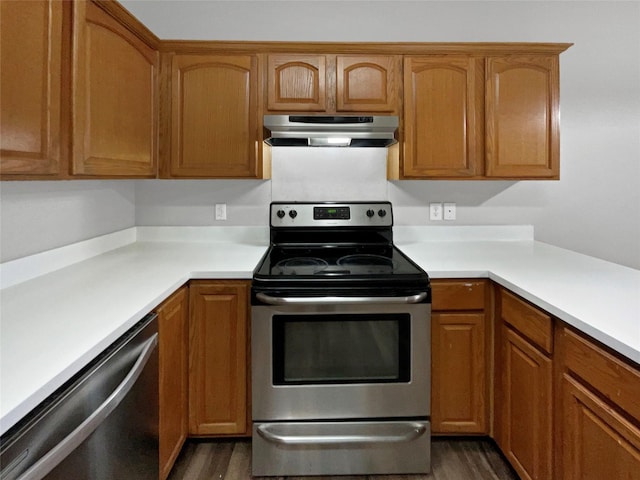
(341, 448)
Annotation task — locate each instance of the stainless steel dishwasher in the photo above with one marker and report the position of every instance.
(101, 425)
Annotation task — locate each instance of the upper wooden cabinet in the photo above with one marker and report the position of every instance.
(477, 117)
(115, 97)
(297, 83)
(30, 87)
(442, 116)
(333, 83)
(522, 117)
(214, 117)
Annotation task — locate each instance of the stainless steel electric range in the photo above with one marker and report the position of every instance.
(340, 345)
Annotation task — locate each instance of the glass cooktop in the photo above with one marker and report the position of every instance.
(337, 263)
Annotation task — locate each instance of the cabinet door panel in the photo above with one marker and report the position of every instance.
(598, 442)
(218, 358)
(115, 93)
(524, 405)
(214, 116)
(173, 350)
(458, 380)
(30, 86)
(296, 83)
(366, 83)
(522, 117)
(441, 106)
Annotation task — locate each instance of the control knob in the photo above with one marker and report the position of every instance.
(280, 213)
(370, 213)
(293, 213)
(382, 213)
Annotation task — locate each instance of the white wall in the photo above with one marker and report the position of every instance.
(594, 208)
(192, 202)
(39, 216)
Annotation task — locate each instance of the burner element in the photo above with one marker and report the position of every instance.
(367, 263)
(300, 266)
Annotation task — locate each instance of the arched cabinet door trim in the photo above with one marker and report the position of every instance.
(214, 116)
(115, 98)
(522, 117)
(367, 83)
(296, 83)
(442, 116)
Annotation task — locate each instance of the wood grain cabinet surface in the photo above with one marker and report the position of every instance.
(214, 117)
(459, 357)
(173, 333)
(522, 117)
(443, 101)
(481, 117)
(30, 87)
(523, 390)
(115, 97)
(328, 83)
(598, 410)
(218, 358)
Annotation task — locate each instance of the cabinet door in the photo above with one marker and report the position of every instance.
(30, 87)
(214, 116)
(367, 83)
(522, 117)
(115, 91)
(173, 331)
(218, 358)
(458, 378)
(523, 406)
(296, 83)
(442, 105)
(598, 442)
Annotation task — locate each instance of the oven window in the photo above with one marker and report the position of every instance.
(326, 349)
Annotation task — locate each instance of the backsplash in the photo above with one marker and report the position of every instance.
(321, 174)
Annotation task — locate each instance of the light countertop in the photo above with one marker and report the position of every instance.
(55, 323)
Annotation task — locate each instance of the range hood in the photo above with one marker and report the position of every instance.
(330, 130)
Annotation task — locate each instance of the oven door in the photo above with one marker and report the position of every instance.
(341, 359)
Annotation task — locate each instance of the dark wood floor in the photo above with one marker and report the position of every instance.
(451, 459)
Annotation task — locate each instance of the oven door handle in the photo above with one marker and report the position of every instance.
(268, 299)
(409, 431)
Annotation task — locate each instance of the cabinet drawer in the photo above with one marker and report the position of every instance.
(458, 294)
(534, 324)
(610, 376)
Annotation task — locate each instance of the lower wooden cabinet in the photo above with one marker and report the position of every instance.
(563, 407)
(599, 412)
(523, 387)
(173, 360)
(218, 358)
(598, 441)
(525, 406)
(459, 388)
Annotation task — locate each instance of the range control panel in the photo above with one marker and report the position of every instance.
(308, 214)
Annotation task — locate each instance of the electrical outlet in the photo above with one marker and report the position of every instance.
(435, 211)
(449, 211)
(221, 211)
